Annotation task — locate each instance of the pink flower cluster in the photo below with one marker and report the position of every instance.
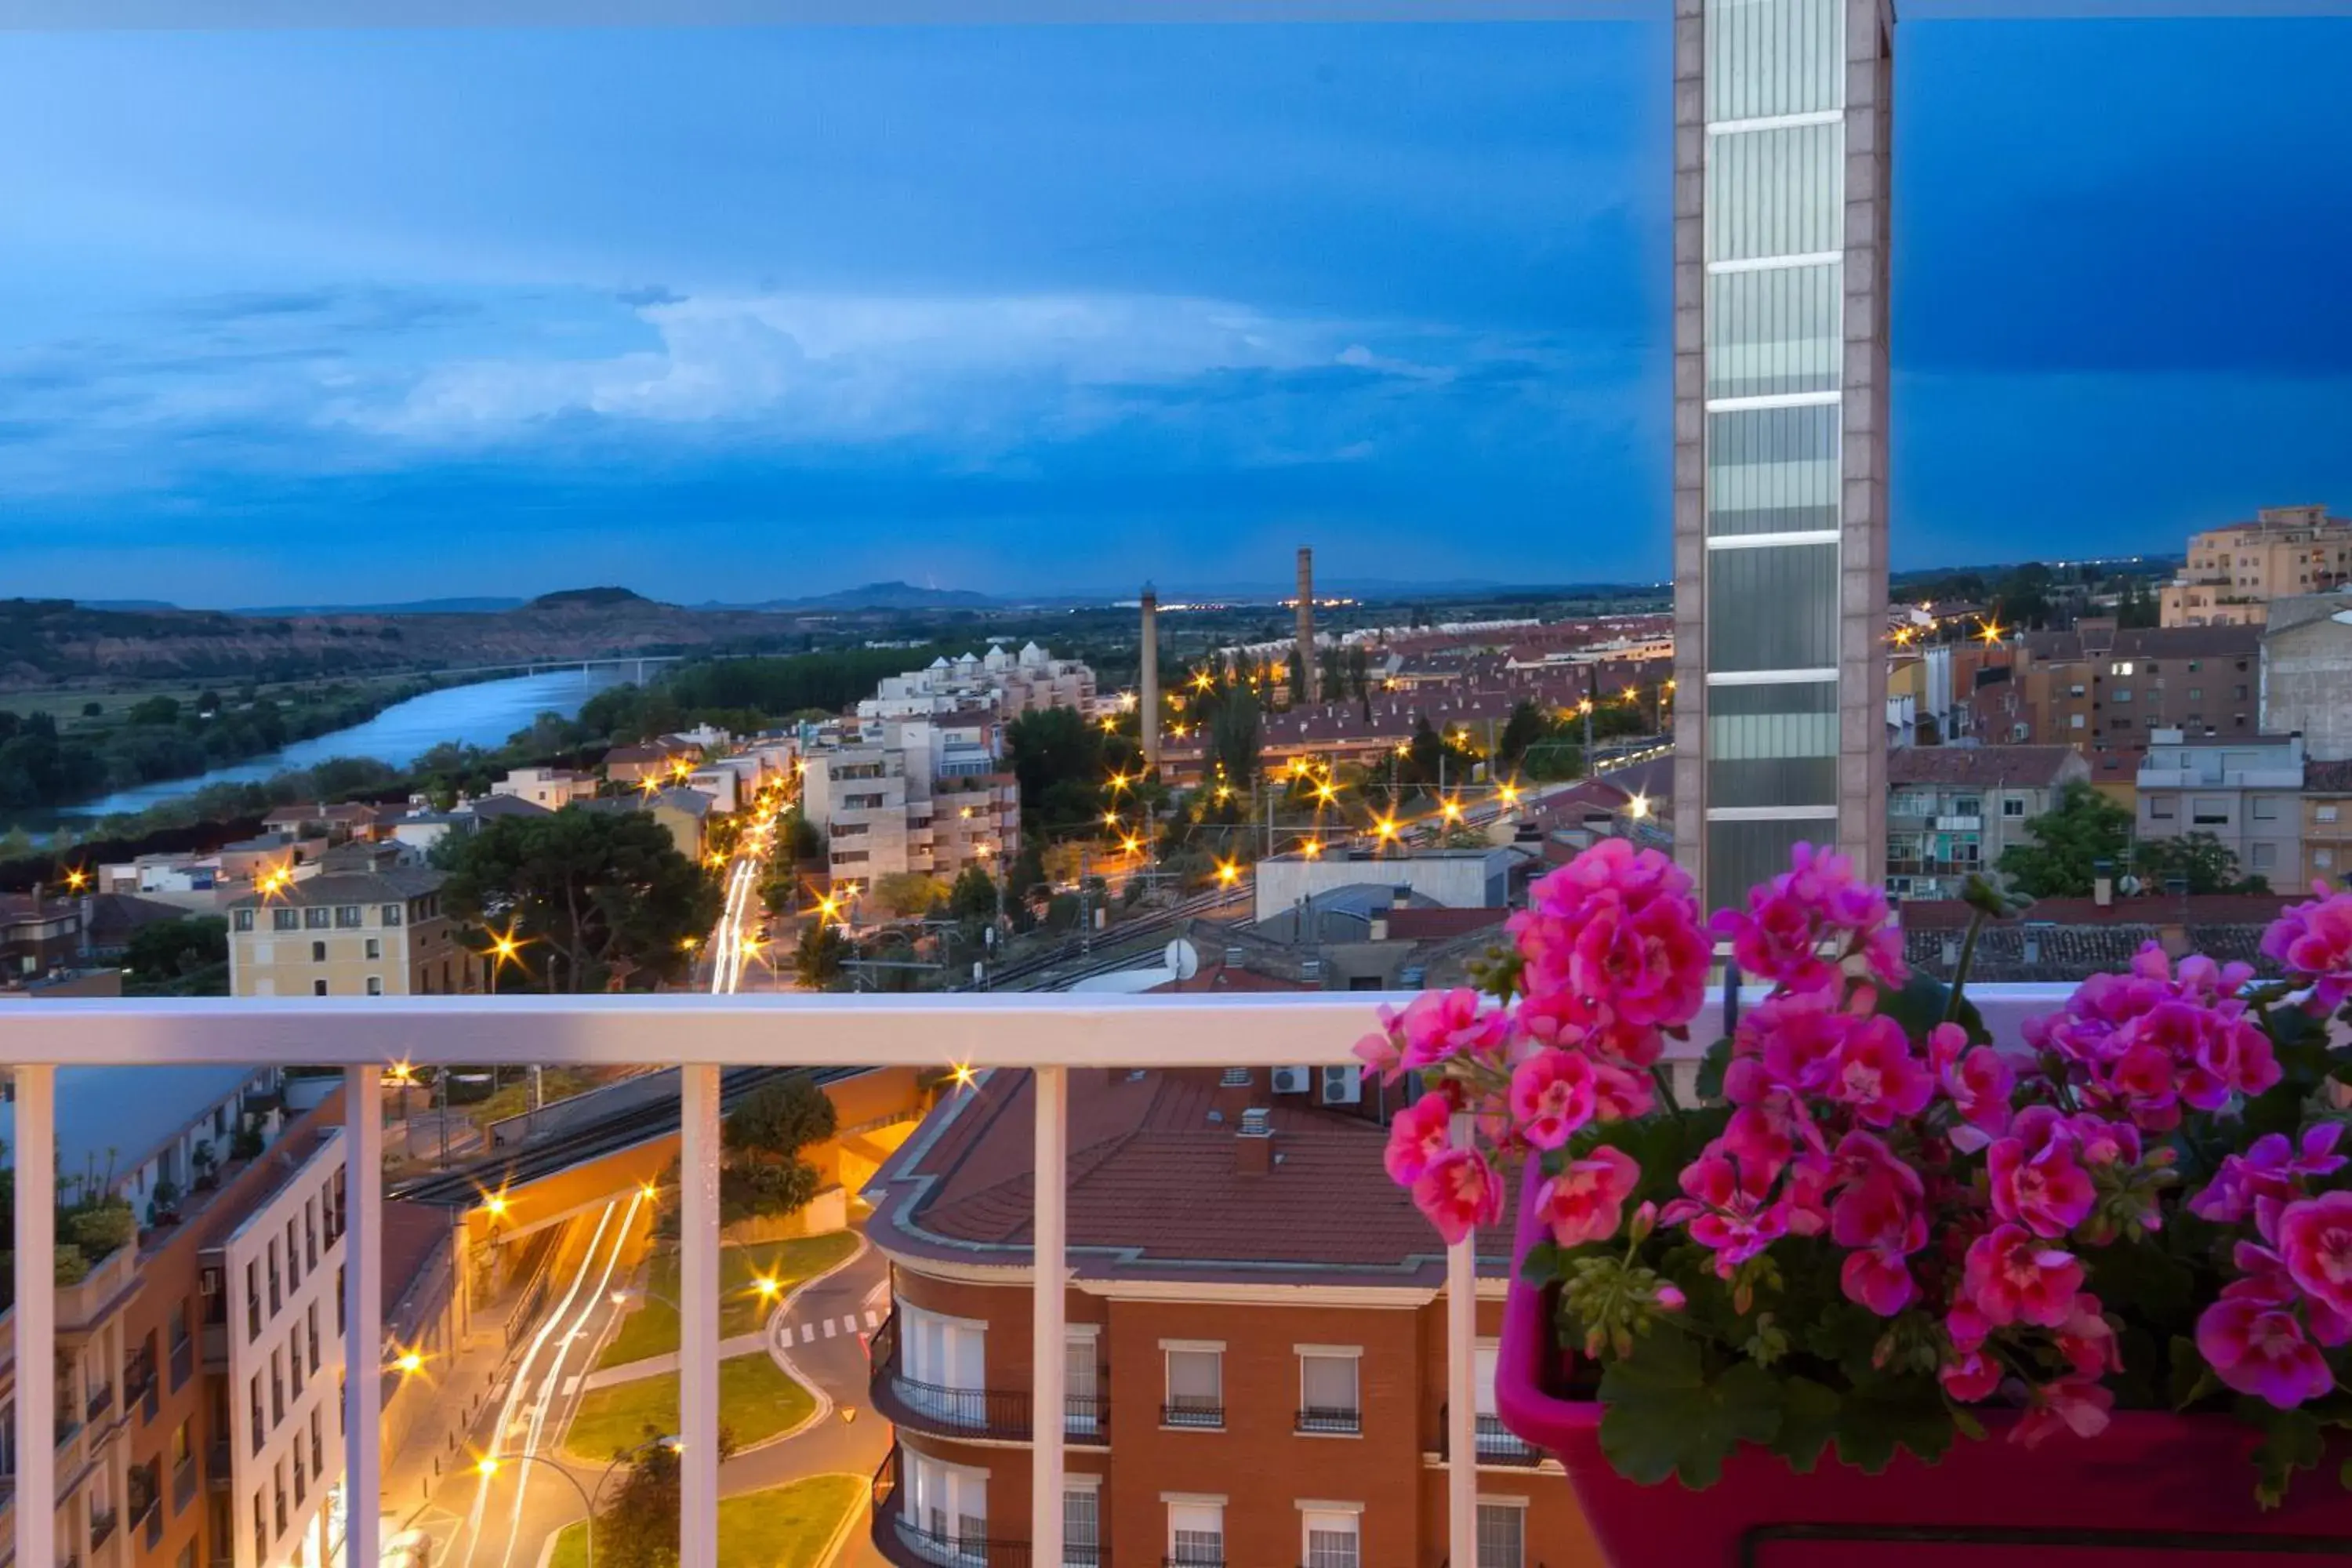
(1818, 903)
(2313, 942)
(2293, 1295)
(1614, 955)
(2148, 1044)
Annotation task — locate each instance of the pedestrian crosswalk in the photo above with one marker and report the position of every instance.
(814, 1328)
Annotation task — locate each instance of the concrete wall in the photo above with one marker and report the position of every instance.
(2306, 674)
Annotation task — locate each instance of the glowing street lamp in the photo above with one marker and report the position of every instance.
(77, 880)
(1227, 873)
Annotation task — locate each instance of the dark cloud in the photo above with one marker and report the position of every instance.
(642, 294)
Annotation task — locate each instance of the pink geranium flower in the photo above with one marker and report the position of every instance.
(1877, 1075)
(1551, 1096)
(1727, 1211)
(1459, 1192)
(1420, 1132)
(2010, 1276)
(2036, 1181)
(1970, 1375)
(1878, 1278)
(2314, 1238)
(1586, 1202)
(2270, 1168)
(2313, 942)
(1438, 1025)
(2258, 1348)
(2079, 1405)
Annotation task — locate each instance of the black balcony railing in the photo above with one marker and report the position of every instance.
(219, 1472)
(150, 1523)
(1498, 1444)
(184, 1483)
(101, 1527)
(100, 1401)
(1193, 1411)
(906, 1544)
(1331, 1420)
(1004, 1414)
(182, 1362)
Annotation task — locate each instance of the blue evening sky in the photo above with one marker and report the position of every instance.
(351, 317)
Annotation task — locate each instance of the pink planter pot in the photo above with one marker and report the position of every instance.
(2154, 1490)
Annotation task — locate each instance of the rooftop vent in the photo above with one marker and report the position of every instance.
(1235, 1078)
(1257, 1122)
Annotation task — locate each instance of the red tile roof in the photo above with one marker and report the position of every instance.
(1232, 977)
(1156, 1189)
(2148, 909)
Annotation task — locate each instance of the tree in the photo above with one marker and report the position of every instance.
(819, 955)
(1236, 734)
(909, 895)
(598, 899)
(155, 710)
(2081, 829)
(764, 1137)
(1526, 726)
(974, 895)
(2200, 860)
(638, 1527)
(165, 950)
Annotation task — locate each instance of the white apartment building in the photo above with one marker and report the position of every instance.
(1005, 685)
(553, 788)
(916, 795)
(277, 1280)
(2247, 793)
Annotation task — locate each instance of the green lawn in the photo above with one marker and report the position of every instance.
(651, 1328)
(783, 1527)
(756, 1401)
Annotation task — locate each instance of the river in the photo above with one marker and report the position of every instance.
(482, 714)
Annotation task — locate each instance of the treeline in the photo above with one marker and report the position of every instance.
(44, 765)
(749, 694)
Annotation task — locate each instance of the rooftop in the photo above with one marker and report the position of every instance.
(120, 1116)
(400, 883)
(1984, 767)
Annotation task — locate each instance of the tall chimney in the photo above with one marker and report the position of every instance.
(1147, 701)
(1305, 626)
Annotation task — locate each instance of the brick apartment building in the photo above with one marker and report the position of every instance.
(1256, 1354)
(2096, 689)
(2232, 573)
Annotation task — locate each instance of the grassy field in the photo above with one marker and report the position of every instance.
(756, 1401)
(652, 1329)
(783, 1527)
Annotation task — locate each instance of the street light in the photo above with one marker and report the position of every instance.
(489, 1466)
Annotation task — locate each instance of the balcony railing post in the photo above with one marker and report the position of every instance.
(362, 1312)
(37, 1314)
(698, 1370)
(1048, 1355)
(1461, 1388)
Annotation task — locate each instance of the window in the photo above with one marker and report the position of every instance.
(314, 1337)
(2265, 808)
(277, 1485)
(242, 919)
(1196, 1531)
(1082, 1392)
(2208, 811)
(2323, 858)
(1081, 1523)
(300, 1491)
(1966, 805)
(286, 920)
(2073, 721)
(947, 1365)
(391, 914)
(2239, 692)
(2196, 694)
(1327, 1390)
(261, 1527)
(1196, 1383)
(310, 1250)
(317, 1449)
(318, 917)
(2323, 813)
(2160, 810)
(2011, 805)
(318, 953)
(347, 917)
(1330, 1532)
(2122, 668)
(373, 948)
(2120, 694)
(252, 1299)
(946, 1505)
(376, 984)
(294, 1357)
(2076, 690)
(293, 1256)
(317, 988)
(276, 1390)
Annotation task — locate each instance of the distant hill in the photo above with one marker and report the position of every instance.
(889, 596)
(588, 599)
(413, 607)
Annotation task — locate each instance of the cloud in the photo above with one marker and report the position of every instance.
(647, 294)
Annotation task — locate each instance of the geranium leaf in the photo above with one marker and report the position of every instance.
(1809, 1413)
(2291, 1442)
(2158, 1287)
(1664, 1416)
(1918, 1006)
(1886, 1415)
(2192, 1380)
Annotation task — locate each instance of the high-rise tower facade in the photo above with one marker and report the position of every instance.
(1782, 155)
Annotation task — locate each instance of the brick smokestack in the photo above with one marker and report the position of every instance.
(1147, 701)
(1305, 625)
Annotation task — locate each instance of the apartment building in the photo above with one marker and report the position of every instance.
(1000, 684)
(350, 933)
(188, 1149)
(553, 788)
(1254, 1358)
(2234, 573)
(2246, 793)
(2098, 689)
(2306, 673)
(918, 794)
(2327, 827)
(1952, 810)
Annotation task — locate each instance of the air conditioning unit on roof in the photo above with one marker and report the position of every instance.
(1342, 1084)
(1291, 1080)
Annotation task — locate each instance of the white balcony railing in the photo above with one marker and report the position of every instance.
(1050, 1033)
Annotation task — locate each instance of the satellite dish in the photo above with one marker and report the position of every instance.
(2128, 887)
(1184, 958)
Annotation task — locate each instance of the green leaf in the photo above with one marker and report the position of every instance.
(2291, 1442)
(1919, 1005)
(2192, 1380)
(1847, 1335)
(2158, 1287)
(1712, 1066)
(1887, 1415)
(1541, 1264)
(1664, 1416)
(1809, 1414)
